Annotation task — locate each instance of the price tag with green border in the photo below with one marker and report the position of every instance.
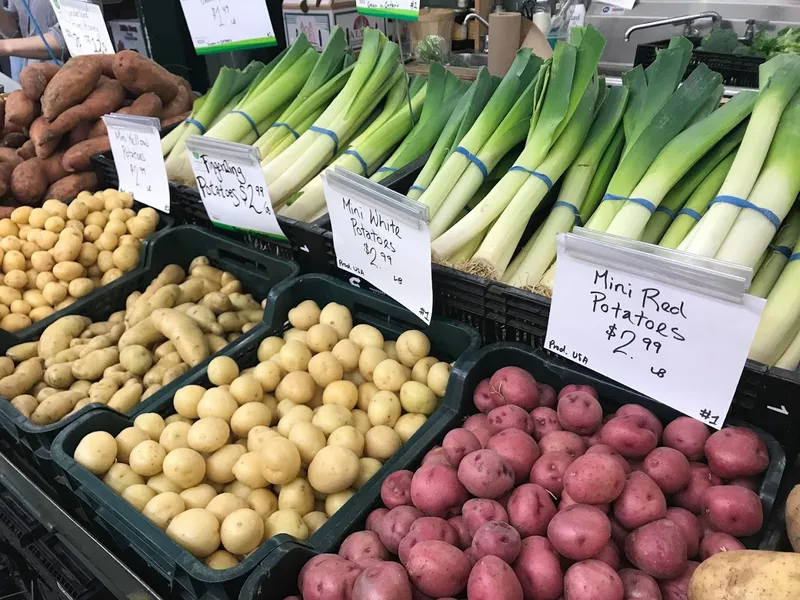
(228, 25)
(405, 10)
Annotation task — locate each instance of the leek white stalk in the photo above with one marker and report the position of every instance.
(775, 94)
(545, 286)
(780, 321)
(777, 255)
(675, 160)
(791, 358)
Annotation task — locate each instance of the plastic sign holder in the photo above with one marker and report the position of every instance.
(83, 27)
(136, 146)
(668, 324)
(228, 25)
(231, 184)
(404, 10)
(382, 236)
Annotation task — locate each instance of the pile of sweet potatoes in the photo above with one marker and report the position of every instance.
(53, 124)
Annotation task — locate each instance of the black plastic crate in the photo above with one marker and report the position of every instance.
(303, 243)
(258, 273)
(276, 577)
(738, 71)
(449, 341)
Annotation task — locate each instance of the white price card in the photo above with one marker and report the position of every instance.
(383, 237)
(231, 185)
(404, 10)
(83, 28)
(672, 331)
(228, 25)
(136, 146)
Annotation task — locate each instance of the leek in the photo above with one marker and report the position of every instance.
(696, 204)
(790, 359)
(777, 255)
(780, 79)
(780, 321)
(169, 141)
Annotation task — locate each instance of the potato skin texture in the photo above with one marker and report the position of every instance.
(719, 577)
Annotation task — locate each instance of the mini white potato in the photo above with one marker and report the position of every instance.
(162, 508)
(298, 335)
(258, 436)
(280, 461)
(147, 457)
(366, 336)
(224, 504)
(367, 467)
(348, 437)
(151, 423)
(198, 496)
(329, 417)
(308, 438)
(390, 375)
(321, 338)
(384, 409)
(361, 420)
(408, 424)
(286, 521)
(338, 317)
(438, 375)
(208, 435)
(297, 386)
(268, 347)
(197, 530)
(248, 416)
(381, 443)
(246, 389)
(335, 501)
(314, 520)
(296, 495)
(221, 560)
(304, 315)
(160, 483)
(298, 414)
(412, 346)
(217, 402)
(248, 470)
(333, 469)
(219, 466)
(283, 408)
(347, 352)
(222, 370)
(268, 374)
(370, 358)
(138, 495)
(366, 391)
(263, 501)
(417, 397)
(120, 477)
(419, 371)
(242, 531)
(294, 356)
(184, 467)
(325, 368)
(186, 400)
(239, 489)
(96, 452)
(343, 393)
(175, 435)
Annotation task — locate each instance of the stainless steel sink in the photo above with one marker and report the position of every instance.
(474, 60)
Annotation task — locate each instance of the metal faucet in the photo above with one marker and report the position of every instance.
(686, 21)
(475, 16)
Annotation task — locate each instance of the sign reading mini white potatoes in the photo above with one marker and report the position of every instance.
(83, 28)
(405, 10)
(383, 237)
(228, 25)
(679, 345)
(231, 185)
(136, 145)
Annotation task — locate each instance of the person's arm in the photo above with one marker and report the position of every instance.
(31, 47)
(9, 26)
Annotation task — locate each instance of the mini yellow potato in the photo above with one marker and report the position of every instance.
(151, 423)
(224, 504)
(34, 298)
(321, 338)
(208, 434)
(335, 501)
(270, 401)
(42, 261)
(329, 417)
(280, 461)
(381, 443)
(107, 241)
(333, 469)
(163, 508)
(338, 317)
(55, 208)
(348, 437)
(242, 531)
(25, 404)
(366, 336)
(217, 402)
(68, 247)
(297, 386)
(37, 217)
(8, 295)
(16, 279)
(160, 483)
(96, 452)
(268, 347)
(80, 287)
(283, 408)
(417, 397)
(127, 440)
(268, 374)
(419, 371)
(298, 335)
(19, 216)
(55, 224)
(347, 353)
(367, 467)
(116, 227)
(138, 495)
(147, 457)
(175, 435)
(77, 210)
(176, 418)
(184, 467)
(11, 244)
(344, 393)
(186, 400)
(294, 356)
(220, 560)
(304, 315)
(246, 388)
(248, 470)
(384, 409)
(222, 370)
(248, 416)
(297, 495)
(120, 477)
(325, 368)
(390, 375)
(286, 521)
(308, 438)
(28, 249)
(67, 271)
(88, 255)
(21, 307)
(412, 346)
(91, 233)
(110, 276)
(438, 375)
(219, 466)
(140, 227)
(197, 530)
(263, 502)
(40, 312)
(314, 520)
(369, 359)
(408, 424)
(298, 414)
(46, 240)
(198, 496)
(390, 348)
(258, 436)
(361, 420)
(54, 292)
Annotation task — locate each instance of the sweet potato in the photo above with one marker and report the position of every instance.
(9, 155)
(14, 140)
(53, 169)
(5, 172)
(2, 110)
(3, 189)
(146, 105)
(70, 186)
(34, 78)
(80, 133)
(106, 98)
(28, 182)
(70, 86)
(140, 75)
(43, 149)
(20, 109)
(26, 151)
(181, 102)
(78, 158)
(9, 127)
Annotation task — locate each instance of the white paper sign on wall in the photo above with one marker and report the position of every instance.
(228, 25)
(678, 332)
(383, 237)
(136, 146)
(83, 28)
(231, 185)
(404, 10)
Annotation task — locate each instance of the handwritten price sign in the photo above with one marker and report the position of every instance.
(406, 10)
(84, 28)
(228, 25)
